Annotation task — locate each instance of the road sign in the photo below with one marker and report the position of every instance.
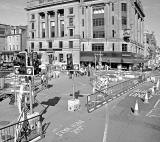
(16, 69)
(29, 70)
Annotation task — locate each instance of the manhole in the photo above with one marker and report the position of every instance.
(4, 123)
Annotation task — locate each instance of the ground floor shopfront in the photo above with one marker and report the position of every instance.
(112, 59)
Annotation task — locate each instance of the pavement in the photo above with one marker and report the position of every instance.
(114, 122)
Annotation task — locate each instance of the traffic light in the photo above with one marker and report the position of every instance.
(36, 64)
(69, 62)
(21, 60)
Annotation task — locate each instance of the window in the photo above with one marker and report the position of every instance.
(40, 45)
(13, 47)
(83, 34)
(82, 22)
(70, 32)
(113, 33)
(70, 21)
(70, 44)
(112, 20)
(124, 7)
(60, 44)
(98, 22)
(32, 25)
(98, 34)
(124, 20)
(43, 25)
(99, 10)
(32, 35)
(62, 27)
(124, 47)
(112, 6)
(71, 10)
(42, 15)
(52, 27)
(98, 47)
(32, 16)
(60, 57)
(82, 10)
(32, 45)
(82, 47)
(50, 44)
(43, 29)
(112, 46)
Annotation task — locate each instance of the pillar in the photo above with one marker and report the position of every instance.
(46, 25)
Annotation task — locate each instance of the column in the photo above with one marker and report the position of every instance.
(56, 23)
(106, 17)
(46, 24)
(38, 25)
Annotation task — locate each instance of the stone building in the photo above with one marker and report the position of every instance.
(106, 31)
(15, 40)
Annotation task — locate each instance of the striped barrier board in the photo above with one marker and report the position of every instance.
(101, 97)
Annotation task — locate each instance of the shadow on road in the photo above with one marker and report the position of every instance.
(50, 102)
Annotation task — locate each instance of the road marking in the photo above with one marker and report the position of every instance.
(114, 97)
(76, 128)
(109, 100)
(98, 106)
(149, 112)
(104, 102)
(153, 115)
(156, 103)
(106, 125)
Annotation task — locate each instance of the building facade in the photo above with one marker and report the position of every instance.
(15, 40)
(108, 31)
(151, 49)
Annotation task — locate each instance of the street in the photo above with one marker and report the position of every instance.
(123, 126)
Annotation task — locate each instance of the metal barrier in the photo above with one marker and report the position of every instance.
(107, 94)
(9, 133)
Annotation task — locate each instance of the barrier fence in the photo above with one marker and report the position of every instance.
(107, 94)
(9, 133)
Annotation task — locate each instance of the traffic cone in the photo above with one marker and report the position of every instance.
(136, 108)
(146, 98)
(152, 90)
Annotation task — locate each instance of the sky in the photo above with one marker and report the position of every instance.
(12, 13)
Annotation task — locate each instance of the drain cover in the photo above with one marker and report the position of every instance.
(4, 122)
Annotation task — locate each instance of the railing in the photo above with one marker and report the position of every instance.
(107, 94)
(9, 133)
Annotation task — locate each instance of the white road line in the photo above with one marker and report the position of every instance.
(149, 112)
(109, 100)
(98, 106)
(156, 103)
(153, 115)
(106, 125)
(104, 102)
